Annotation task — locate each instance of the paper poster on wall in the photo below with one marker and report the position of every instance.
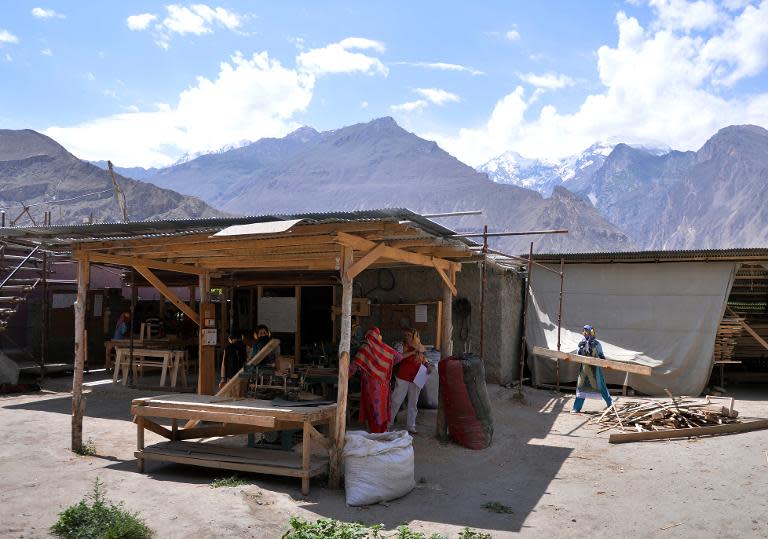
(63, 301)
(421, 314)
(278, 314)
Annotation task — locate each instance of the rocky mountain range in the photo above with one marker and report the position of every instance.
(377, 165)
(37, 172)
(712, 198)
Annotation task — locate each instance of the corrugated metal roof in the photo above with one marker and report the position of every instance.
(108, 231)
(758, 253)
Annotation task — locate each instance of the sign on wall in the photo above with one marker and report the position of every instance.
(278, 314)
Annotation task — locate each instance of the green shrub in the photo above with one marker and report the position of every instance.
(95, 517)
(88, 448)
(328, 528)
(497, 507)
(231, 481)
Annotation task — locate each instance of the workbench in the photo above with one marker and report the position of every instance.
(232, 416)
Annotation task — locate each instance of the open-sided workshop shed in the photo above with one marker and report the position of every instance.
(290, 249)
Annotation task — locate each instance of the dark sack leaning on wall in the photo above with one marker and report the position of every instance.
(466, 402)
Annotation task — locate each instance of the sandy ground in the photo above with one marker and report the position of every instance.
(560, 477)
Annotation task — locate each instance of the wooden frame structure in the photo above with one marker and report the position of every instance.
(344, 246)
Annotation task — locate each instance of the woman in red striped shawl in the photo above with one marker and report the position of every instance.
(375, 360)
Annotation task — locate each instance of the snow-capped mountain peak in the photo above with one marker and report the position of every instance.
(544, 175)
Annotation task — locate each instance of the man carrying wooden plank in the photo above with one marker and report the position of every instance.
(591, 382)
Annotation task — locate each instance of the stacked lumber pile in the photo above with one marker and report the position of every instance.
(679, 417)
(728, 333)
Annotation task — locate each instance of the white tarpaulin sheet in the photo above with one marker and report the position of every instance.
(664, 314)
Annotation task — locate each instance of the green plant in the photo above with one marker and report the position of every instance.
(326, 528)
(466, 533)
(231, 481)
(87, 449)
(95, 517)
(497, 507)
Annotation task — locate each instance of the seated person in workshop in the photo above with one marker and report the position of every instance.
(123, 326)
(235, 356)
(262, 336)
(413, 359)
(375, 361)
(591, 382)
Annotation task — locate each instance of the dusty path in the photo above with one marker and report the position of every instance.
(561, 478)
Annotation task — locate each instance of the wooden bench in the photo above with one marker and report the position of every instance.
(169, 361)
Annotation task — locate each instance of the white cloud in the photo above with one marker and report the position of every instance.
(43, 13)
(338, 58)
(7, 37)
(512, 35)
(549, 81)
(197, 19)
(364, 105)
(437, 96)
(443, 66)
(8, 57)
(410, 106)
(659, 84)
(684, 15)
(90, 76)
(46, 52)
(140, 22)
(249, 99)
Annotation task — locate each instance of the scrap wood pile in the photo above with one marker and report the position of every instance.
(678, 413)
(679, 417)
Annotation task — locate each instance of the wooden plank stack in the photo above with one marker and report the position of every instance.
(728, 333)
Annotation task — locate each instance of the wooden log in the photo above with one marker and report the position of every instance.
(688, 432)
(608, 364)
(446, 322)
(340, 423)
(78, 402)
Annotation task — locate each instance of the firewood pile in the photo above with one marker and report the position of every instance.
(677, 413)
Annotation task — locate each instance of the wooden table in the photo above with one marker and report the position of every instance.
(165, 342)
(234, 416)
(169, 360)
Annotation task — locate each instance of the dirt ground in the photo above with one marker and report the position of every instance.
(560, 476)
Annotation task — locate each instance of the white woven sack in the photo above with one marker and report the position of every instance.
(377, 467)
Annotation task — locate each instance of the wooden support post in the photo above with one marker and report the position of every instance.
(206, 378)
(344, 344)
(140, 442)
(306, 455)
(446, 349)
(78, 402)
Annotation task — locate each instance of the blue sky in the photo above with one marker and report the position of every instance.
(142, 82)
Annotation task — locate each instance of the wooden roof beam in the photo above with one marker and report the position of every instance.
(131, 261)
(362, 244)
(168, 293)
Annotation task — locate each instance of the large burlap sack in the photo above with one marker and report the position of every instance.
(466, 402)
(9, 370)
(377, 467)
